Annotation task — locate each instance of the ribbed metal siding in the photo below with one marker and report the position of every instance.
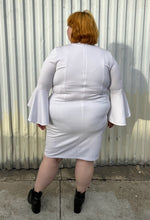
(29, 29)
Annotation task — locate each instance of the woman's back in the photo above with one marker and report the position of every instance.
(82, 72)
(80, 101)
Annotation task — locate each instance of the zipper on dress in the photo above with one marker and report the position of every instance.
(84, 71)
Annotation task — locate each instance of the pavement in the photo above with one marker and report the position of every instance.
(115, 193)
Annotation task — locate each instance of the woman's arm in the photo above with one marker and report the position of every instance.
(119, 109)
(39, 112)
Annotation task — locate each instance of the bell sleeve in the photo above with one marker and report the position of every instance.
(119, 109)
(39, 101)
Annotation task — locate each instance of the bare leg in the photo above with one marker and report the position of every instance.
(47, 172)
(83, 174)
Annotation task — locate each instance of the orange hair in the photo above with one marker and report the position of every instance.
(84, 28)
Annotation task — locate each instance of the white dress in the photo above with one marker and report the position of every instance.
(86, 92)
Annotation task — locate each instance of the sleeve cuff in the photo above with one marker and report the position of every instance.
(39, 104)
(119, 110)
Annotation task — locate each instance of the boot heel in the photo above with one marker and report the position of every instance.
(30, 196)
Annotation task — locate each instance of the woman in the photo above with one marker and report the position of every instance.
(86, 96)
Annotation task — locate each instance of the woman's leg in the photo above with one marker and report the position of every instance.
(47, 172)
(83, 174)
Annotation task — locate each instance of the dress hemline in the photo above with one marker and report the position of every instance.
(81, 158)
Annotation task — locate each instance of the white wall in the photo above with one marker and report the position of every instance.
(29, 29)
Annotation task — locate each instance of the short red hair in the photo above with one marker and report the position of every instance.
(84, 28)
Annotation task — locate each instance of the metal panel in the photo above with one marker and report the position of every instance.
(30, 29)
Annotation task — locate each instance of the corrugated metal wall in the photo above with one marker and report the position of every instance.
(29, 29)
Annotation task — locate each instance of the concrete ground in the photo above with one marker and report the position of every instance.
(115, 193)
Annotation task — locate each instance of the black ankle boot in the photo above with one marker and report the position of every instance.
(34, 198)
(78, 201)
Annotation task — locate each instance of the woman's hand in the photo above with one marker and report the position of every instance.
(42, 127)
(110, 125)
